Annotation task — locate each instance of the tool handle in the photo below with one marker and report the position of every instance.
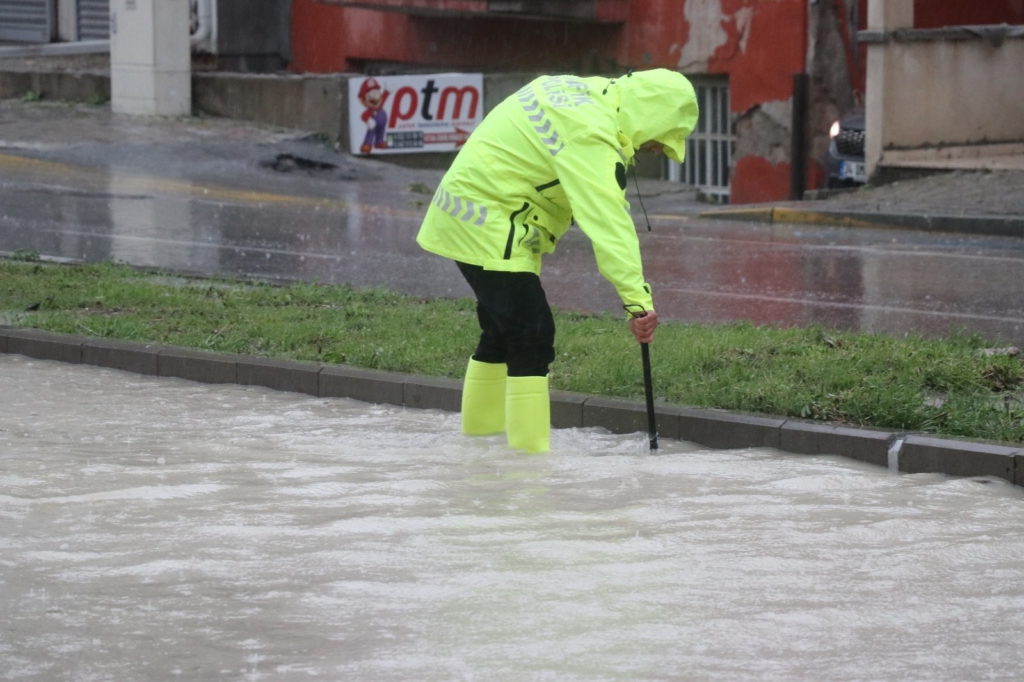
(652, 430)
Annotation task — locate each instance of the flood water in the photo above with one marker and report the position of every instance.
(160, 529)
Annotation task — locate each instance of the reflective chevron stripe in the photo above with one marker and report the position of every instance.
(470, 212)
(537, 116)
(457, 208)
(454, 205)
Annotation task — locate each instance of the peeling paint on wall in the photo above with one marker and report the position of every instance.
(743, 18)
(780, 111)
(762, 55)
(759, 132)
(762, 157)
(708, 19)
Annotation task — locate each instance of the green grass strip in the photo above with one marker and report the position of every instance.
(943, 386)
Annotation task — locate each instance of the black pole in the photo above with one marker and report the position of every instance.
(798, 146)
(652, 429)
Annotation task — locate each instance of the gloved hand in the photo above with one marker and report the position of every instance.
(371, 124)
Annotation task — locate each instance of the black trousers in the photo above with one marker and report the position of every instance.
(516, 324)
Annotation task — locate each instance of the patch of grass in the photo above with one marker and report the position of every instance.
(25, 255)
(942, 386)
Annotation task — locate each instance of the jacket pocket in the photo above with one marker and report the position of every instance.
(549, 229)
(515, 227)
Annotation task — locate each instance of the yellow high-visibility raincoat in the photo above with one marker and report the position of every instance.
(555, 151)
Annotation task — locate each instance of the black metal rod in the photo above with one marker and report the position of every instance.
(652, 429)
(798, 146)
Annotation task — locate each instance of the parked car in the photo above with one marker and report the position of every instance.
(845, 160)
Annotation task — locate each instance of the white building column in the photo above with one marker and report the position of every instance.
(883, 15)
(150, 57)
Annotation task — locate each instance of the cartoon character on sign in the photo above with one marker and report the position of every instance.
(373, 97)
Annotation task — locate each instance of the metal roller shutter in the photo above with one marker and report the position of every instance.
(27, 21)
(93, 19)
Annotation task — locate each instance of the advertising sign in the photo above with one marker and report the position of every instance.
(414, 113)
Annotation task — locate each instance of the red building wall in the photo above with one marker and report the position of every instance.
(327, 37)
(757, 44)
(760, 53)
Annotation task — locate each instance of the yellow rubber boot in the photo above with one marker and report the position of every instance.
(483, 398)
(528, 413)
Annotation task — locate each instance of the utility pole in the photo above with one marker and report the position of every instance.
(883, 16)
(150, 57)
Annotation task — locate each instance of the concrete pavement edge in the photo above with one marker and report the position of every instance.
(909, 453)
(994, 226)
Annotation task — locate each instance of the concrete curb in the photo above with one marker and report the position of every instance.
(56, 49)
(997, 226)
(710, 428)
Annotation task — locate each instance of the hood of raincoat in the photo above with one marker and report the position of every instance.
(656, 105)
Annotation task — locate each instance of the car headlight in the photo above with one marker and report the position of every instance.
(834, 130)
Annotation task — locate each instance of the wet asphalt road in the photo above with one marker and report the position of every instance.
(220, 207)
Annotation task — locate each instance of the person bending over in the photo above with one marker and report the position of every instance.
(554, 152)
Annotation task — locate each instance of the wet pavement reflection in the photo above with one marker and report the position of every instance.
(207, 218)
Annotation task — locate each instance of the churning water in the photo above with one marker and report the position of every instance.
(159, 529)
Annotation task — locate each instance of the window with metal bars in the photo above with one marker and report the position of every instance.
(709, 149)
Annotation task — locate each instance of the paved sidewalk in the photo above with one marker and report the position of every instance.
(967, 202)
(963, 193)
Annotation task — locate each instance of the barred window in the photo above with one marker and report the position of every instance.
(709, 149)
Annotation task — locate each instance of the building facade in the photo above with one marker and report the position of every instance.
(742, 55)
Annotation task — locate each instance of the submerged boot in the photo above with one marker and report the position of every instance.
(528, 413)
(483, 398)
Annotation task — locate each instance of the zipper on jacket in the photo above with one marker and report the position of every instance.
(512, 229)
